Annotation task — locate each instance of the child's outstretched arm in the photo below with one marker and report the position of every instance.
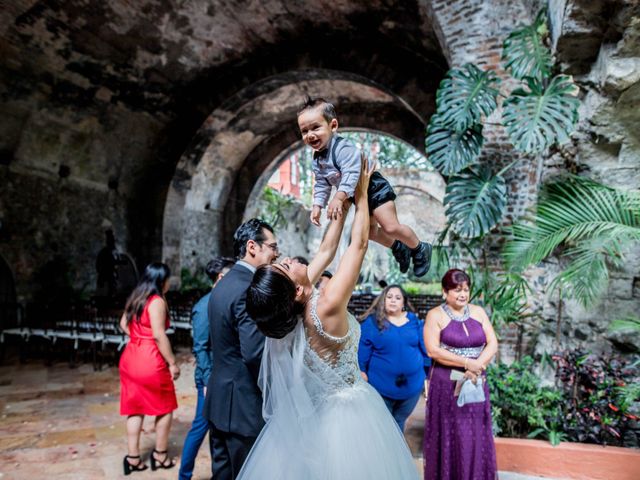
(349, 159)
(321, 192)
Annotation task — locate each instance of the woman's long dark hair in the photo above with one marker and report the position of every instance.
(271, 302)
(151, 283)
(377, 306)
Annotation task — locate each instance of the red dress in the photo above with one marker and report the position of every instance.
(146, 386)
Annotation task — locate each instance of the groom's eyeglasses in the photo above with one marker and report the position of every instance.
(273, 247)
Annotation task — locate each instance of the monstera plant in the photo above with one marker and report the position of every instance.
(540, 113)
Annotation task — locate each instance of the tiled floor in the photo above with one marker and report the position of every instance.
(62, 423)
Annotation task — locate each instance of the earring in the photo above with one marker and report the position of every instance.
(444, 297)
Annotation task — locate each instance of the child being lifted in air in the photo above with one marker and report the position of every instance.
(336, 162)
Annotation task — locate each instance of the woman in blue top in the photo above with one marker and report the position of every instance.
(392, 352)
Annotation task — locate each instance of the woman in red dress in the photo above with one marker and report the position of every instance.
(148, 368)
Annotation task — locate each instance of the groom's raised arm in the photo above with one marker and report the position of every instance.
(328, 247)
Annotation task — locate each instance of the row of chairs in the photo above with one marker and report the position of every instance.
(92, 328)
(87, 329)
(80, 329)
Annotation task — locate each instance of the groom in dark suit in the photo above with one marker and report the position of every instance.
(233, 404)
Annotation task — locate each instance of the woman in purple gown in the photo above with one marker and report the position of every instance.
(458, 441)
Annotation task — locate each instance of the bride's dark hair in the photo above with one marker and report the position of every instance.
(271, 302)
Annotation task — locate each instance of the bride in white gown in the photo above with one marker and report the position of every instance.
(323, 421)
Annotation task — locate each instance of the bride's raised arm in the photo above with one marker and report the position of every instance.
(328, 247)
(332, 307)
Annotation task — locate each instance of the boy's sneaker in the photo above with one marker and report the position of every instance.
(421, 259)
(402, 254)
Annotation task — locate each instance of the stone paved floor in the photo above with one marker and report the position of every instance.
(62, 423)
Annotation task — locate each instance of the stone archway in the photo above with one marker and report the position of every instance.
(239, 141)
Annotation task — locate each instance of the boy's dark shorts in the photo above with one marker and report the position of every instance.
(379, 192)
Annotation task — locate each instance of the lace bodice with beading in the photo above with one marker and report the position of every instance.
(335, 359)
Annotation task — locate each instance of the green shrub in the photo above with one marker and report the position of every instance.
(417, 288)
(521, 407)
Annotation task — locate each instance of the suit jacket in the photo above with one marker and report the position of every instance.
(234, 401)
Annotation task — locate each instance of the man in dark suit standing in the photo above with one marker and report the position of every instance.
(233, 404)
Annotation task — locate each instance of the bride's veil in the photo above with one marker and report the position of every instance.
(294, 381)
(282, 377)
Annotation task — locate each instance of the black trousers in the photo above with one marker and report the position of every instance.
(229, 453)
(379, 192)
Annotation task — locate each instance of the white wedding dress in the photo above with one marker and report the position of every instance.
(323, 421)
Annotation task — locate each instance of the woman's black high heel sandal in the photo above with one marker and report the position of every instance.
(130, 467)
(155, 463)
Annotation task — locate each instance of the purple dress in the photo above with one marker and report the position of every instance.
(458, 441)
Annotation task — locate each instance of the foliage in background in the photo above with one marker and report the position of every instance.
(419, 288)
(600, 393)
(594, 223)
(388, 151)
(520, 405)
(271, 205)
(193, 281)
(504, 295)
(627, 324)
(595, 400)
(370, 271)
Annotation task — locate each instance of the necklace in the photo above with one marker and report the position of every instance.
(453, 316)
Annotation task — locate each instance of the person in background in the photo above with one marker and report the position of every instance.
(216, 269)
(324, 279)
(392, 352)
(458, 441)
(148, 368)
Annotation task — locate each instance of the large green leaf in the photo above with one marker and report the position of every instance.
(450, 151)
(475, 201)
(525, 53)
(464, 95)
(540, 117)
(594, 222)
(629, 323)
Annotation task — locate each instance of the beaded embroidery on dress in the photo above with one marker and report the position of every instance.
(338, 353)
(323, 422)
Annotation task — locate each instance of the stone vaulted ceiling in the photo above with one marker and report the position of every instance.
(104, 99)
(168, 57)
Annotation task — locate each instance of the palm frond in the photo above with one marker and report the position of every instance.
(625, 324)
(525, 53)
(569, 210)
(596, 224)
(450, 151)
(540, 117)
(586, 277)
(465, 95)
(475, 201)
